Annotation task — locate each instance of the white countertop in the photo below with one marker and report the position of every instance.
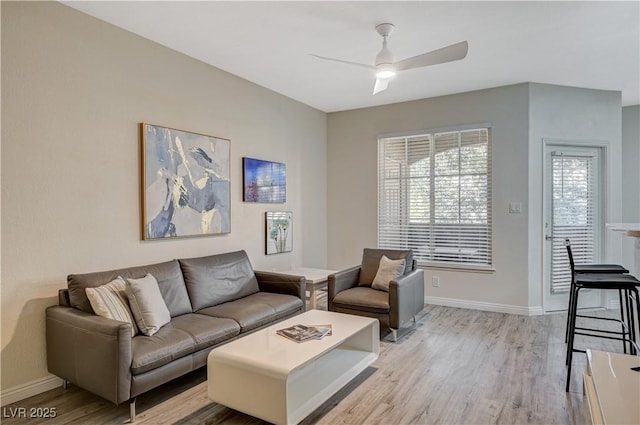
(629, 229)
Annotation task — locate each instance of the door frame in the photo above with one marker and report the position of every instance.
(603, 202)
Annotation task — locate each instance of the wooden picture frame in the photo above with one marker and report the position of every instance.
(185, 183)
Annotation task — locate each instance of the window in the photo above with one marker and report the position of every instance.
(434, 196)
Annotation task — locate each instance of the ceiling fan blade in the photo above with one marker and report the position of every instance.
(450, 53)
(381, 84)
(362, 65)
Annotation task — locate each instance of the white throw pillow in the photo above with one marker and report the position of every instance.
(147, 305)
(110, 301)
(388, 270)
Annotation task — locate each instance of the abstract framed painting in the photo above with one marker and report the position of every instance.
(264, 181)
(279, 225)
(185, 183)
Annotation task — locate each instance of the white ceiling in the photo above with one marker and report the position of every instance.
(582, 44)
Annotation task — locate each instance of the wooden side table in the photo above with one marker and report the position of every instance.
(317, 280)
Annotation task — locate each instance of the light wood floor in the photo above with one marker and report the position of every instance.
(454, 366)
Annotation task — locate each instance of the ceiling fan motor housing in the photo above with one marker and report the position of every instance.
(385, 29)
(384, 59)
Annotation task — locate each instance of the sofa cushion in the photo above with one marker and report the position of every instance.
(219, 278)
(371, 261)
(184, 335)
(363, 299)
(147, 305)
(168, 275)
(256, 310)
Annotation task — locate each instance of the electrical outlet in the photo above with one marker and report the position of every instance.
(435, 281)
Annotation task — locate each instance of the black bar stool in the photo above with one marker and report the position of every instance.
(579, 269)
(626, 284)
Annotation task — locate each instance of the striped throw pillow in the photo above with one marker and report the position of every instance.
(110, 301)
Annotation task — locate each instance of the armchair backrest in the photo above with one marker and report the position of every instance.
(371, 260)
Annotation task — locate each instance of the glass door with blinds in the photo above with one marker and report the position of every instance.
(572, 204)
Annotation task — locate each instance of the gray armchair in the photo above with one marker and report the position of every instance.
(350, 290)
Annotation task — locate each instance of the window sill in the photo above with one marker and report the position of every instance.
(455, 267)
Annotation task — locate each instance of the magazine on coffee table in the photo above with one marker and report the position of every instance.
(326, 329)
(301, 333)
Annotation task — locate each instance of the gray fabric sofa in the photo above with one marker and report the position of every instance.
(212, 300)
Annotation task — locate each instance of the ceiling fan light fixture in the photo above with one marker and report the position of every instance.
(385, 74)
(385, 70)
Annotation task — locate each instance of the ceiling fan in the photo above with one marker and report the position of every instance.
(385, 67)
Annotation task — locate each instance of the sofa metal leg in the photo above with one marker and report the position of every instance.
(414, 318)
(65, 384)
(394, 335)
(132, 410)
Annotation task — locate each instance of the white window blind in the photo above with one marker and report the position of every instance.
(573, 215)
(434, 196)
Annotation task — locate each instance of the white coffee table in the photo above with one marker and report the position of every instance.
(281, 381)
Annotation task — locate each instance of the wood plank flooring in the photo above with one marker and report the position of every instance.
(454, 366)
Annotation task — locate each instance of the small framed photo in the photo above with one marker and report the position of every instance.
(279, 232)
(264, 181)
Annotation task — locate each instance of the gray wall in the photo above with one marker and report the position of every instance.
(352, 182)
(630, 177)
(576, 116)
(522, 116)
(631, 164)
(73, 92)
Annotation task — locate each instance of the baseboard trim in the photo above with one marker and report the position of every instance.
(479, 305)
(29, 389)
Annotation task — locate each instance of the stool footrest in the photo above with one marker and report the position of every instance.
(617, 338)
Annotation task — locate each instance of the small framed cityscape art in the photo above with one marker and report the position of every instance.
(264, 181)
(185, 183)
(279, 225)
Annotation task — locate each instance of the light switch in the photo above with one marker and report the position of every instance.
(515, 207)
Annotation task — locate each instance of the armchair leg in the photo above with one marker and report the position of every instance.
(394, 335)
(414, 318)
